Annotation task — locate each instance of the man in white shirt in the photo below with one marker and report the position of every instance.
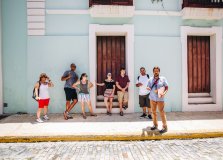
(144, 102)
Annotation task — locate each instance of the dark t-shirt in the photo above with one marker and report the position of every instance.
(109, 85)
(72, 80)
(122, 81)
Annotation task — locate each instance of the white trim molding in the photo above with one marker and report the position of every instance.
(202, 13)
(36, 17)
(112, 30)
(215, 34)
(112, 11)
(135, 13)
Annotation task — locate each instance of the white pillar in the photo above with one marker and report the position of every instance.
(1, 97)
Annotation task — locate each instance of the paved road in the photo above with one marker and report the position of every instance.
(199, 149)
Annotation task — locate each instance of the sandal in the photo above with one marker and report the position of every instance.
(84, 116)
(65, 115)
(92, 114)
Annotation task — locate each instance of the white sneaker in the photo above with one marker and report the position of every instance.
(46, 118)
(39, 120)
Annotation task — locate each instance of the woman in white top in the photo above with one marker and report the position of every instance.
(42, 96)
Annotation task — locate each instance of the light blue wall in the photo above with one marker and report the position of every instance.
(164, 52)
(53, 55)
(14, 55)
(67, 4)
(157, 42)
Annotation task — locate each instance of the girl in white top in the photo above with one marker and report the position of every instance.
(42, 96)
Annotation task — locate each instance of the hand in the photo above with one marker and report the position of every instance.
(37, 98)
(49, 80)
(156, 91)
(140, 84)
(149, 89)
(69, 76)
(123, 89)
(162, 95)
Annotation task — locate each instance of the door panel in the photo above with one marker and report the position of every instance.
(110, 58)
(198, 64)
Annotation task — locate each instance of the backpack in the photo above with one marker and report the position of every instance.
(34, 95)
(146, 75)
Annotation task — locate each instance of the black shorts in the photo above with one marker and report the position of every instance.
(71, 94)
(144, 101)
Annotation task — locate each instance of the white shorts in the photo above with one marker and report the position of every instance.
(83, 97)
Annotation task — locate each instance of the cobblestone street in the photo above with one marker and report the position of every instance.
(210, 149)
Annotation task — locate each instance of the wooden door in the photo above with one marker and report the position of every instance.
(110, 58)
(198, 64)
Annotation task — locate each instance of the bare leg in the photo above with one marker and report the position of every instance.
(149, 111)
(90, 108)
(71, 105)
(111, 103)
(82, 108)
(38, 113)
(106, 103)
(120, 106)
(45, 110)
(67, 104)
(144, 110)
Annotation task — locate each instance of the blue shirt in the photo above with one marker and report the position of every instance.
(162, 82)
(70, 81)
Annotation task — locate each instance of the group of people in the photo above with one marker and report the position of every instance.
(151, 94)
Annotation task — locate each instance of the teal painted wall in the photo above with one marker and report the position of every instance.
(14, 55)
(157, 42)
(53, 55)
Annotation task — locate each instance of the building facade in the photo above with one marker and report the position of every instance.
(183, 37)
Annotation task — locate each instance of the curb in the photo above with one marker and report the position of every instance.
(30, 139)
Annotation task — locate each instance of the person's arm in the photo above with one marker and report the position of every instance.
(127, 85)
(36, 91)
(149, 85)
(50, 83)
(65, 76)
(99, 84)
(113, 91)
(138, 84)
(76, 84)
(118, 86)
(166, 88)
(90, 85)
(76, 77)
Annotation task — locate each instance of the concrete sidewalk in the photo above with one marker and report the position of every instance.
(181, 125)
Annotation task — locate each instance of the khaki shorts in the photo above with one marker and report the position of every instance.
(123, 97)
